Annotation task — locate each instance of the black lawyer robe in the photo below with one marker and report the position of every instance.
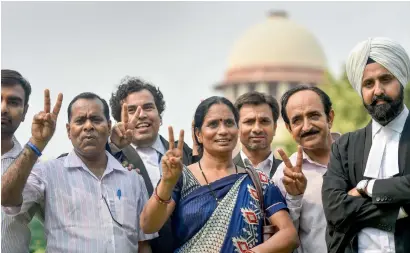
(347, 215)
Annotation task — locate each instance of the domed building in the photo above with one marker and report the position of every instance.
(273, 56)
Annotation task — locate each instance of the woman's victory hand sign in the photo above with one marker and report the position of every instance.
(172, 160)
(44, 122)
(293, 178)
(122, 132)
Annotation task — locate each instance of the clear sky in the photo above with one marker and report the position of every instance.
(182, 47)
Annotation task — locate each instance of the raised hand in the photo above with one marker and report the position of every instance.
(44, 122)
(294, 180)
(172, 160)
(122, 132)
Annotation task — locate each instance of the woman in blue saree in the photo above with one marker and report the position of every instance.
(213, 204)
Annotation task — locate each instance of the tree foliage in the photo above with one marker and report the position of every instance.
(350, 113)
(407, 95)
(38, 241)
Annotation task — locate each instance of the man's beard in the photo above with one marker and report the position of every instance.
(257, 146)
(385, 113)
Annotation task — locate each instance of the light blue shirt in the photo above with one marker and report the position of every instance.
(15, 233)
(77, 218)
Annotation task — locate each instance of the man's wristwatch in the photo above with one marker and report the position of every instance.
(361, 187)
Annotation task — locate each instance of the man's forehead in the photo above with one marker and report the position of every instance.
(251, 109)
(140, 98)
(304, 102)
(372, 70)
(12, 90)
(303, 98)
(88, 105)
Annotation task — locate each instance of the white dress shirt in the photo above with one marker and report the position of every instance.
(15, 233)
(151, 159)
(77, 218)
(306, 210)
(373, 240)
(264, 166)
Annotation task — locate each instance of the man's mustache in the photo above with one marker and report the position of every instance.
(257, 135)
(308, 133)
(381, 97)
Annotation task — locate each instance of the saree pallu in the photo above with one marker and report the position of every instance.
(234, 225)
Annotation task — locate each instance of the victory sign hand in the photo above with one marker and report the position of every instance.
(172, 160)
(122, 132)
(44, 122)
(294, 180)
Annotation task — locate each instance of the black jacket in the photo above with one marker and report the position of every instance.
(347, 215)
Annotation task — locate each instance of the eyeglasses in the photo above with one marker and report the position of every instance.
(105, 200)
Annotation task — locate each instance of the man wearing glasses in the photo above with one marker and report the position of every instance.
(91, 202)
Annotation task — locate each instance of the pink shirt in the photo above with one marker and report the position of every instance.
(307, 210)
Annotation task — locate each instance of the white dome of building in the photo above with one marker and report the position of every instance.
(276, 50)
(278, 41)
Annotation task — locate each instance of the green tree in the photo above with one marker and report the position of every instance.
(407, 95)
(350, 113)
(38, 241)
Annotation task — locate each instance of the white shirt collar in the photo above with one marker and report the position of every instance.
(397, 124)
(269, 159)
(73, 161)
(157, 145)
(308, 159)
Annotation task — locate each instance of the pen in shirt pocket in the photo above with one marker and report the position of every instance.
(119, 194)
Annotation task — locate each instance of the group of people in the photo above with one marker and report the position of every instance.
(126, 188)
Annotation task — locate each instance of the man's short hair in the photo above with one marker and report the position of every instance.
(258, 98)
(12, 77)
(89, 95)
(327, 104)
(130, 85)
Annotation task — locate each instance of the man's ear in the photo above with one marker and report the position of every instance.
(330, 118)
(289, 128)
(24, 112)
(67, 126)
(275, 126)
(109, 127)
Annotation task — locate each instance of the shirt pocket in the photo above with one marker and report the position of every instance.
(128, 213)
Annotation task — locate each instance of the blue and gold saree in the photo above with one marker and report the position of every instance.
(234, 225)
